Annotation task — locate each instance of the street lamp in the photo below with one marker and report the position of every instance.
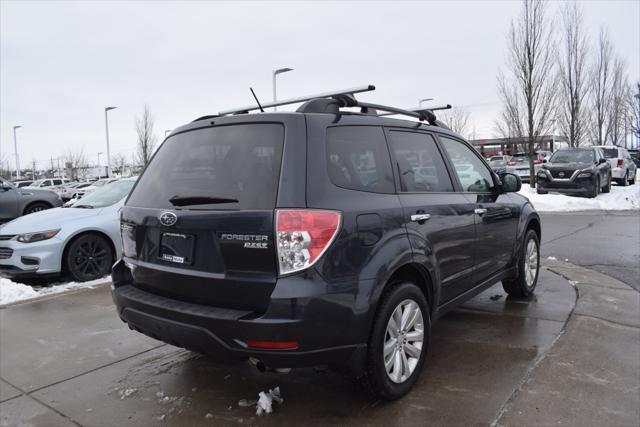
(275, 73)
(106, 127)
(420, 101)
(15, 148)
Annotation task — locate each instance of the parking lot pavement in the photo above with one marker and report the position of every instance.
(69, 360)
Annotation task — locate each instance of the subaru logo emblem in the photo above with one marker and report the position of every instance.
(168, 219)
(561, 174)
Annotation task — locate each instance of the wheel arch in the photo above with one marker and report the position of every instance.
(79, 234)
(34, 202)
(414, 273)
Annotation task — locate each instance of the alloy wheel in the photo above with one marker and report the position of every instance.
(90, 258)
(404, 339)
(531, 263)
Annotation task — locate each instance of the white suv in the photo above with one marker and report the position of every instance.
(623, 170)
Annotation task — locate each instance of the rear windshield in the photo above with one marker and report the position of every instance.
(221, 164)
(610, 153)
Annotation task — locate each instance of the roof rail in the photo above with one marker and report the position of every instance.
(336, 94)
(420, 110)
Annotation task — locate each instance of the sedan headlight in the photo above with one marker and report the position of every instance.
(37, 236)
(584, 175)
(542, 174)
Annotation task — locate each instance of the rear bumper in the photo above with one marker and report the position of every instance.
(313, 322)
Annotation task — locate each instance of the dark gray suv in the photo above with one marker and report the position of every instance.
(15, 202)
(321, 236)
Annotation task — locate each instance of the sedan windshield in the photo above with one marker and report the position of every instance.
(572, 156)
(106, 196)
(497, 162)
(37, 183)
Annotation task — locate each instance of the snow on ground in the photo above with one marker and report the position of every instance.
(11, 292)
(620, 198)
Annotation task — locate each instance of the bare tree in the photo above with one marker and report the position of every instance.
(601, 88)
(634, 114)
(76, 161)
(457, 119)
(146, 136)
(529, 94)
(618, 112)
(119, 162)
(573, 77)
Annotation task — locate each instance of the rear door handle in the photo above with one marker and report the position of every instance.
(480, 211)
(420, 217)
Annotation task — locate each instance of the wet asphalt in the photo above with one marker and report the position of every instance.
(608, 242)
(70, 361)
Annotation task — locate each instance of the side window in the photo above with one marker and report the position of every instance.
(57, 182)
(472, 173)
(419, 163)
(358, 159)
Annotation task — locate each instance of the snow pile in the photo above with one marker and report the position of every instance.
(264, 404)
(620, 198)
(11, 292)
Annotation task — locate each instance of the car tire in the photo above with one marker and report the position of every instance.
(36, 207)
(392, 367)
(88, 257)
(524, 284)
(539, 191)
(596, 188)
(632, 181)
(607, 188)
(625, 180)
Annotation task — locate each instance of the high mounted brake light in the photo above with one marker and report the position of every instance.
(303, 235)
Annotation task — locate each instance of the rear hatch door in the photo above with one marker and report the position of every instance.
(198, 226)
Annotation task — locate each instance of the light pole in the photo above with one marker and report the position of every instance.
(106, 127)
(420, 101)
(15, 148)
(275, 73)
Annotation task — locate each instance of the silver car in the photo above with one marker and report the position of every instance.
(623, 169)
(81, 241)
(15, 202)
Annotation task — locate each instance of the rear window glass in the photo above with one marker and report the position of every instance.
(358, 159)
(610, 153)
(238, 162)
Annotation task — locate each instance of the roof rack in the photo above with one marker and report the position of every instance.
(418, 110)
(336, 94)
(331, 102)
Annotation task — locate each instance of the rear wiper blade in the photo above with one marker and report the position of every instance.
(199, 200)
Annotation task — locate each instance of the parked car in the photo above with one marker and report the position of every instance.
(519, 165)
(575, 171)
(48, 183)
(318, 237)
(15, 202)
(83, 190)
(499, 163)
(81, 242)
(20, 184)
(623, 168)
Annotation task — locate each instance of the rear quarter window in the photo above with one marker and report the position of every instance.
(610, 153)
(358, 159)
(240, 162)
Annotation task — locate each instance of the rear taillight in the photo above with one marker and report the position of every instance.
(303, 235)
(620, 163)
(511, 163)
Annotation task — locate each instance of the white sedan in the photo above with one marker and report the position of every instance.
(81, 241)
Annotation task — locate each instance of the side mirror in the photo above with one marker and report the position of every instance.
(601, 161)
(544, 160)
(511, 183)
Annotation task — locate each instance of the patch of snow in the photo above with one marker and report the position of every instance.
(620, 198)
(127, 392)
(265, 401)
(552, 258)
(209, 415)
(11, 292)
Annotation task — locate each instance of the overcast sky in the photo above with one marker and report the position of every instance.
(61, 63)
